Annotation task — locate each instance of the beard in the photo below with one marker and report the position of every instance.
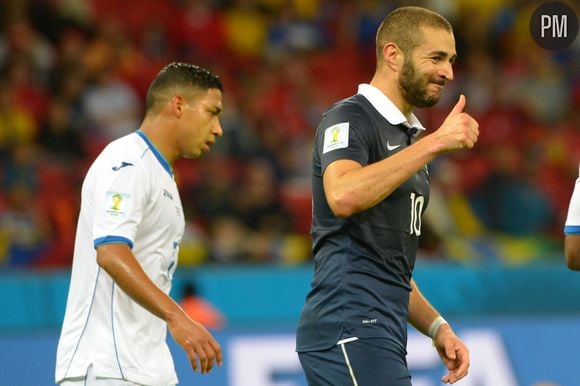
(413, 86)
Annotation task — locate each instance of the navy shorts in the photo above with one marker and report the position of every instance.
(356, 362)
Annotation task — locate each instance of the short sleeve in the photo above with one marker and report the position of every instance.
(572, 226)
(119, 197)
(342, 134)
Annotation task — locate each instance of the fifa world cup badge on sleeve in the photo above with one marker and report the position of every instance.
(336, 137)
(116, 204)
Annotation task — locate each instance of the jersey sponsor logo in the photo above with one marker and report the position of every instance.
(336, 137)
(123, 164)
(392, 147)
(116, 204)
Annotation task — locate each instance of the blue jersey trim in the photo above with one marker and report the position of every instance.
(572, 229)
(156, 152)
(113, 240)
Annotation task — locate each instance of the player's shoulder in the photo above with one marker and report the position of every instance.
(353, 110)
(122, 152)
(130, 145)
(352, 105)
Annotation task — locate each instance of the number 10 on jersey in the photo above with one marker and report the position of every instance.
(417, 203)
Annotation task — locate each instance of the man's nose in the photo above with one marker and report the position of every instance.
(218, 130)
(447, 71)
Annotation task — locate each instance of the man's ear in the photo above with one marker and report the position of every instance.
(393, 57)
(177, 105)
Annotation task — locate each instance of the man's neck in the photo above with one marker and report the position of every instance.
(390, 87)
(154, 130)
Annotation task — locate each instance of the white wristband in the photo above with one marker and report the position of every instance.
(434, 326)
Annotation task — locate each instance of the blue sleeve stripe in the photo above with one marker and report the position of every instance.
(113, 240)
(572, 229)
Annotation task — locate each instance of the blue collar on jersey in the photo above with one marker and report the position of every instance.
(156, 152)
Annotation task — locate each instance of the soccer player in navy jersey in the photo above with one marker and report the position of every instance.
(130, 225)
(370, 188)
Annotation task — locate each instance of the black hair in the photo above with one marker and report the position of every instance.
(180, 76)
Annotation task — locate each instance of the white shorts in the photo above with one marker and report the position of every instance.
(91, 380)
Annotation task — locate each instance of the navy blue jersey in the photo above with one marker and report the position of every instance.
(363, 263)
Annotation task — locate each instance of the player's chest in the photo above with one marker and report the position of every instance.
(164, 208)
(387, 141)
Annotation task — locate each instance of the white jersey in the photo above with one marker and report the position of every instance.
(572, 226)
(128, 196)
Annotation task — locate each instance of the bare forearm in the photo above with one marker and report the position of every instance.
(360, 188)
(421, 312)
(125, 270)
(572, 251)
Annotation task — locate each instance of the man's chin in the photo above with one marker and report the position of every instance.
(427, 102)
(192, 155)
(423, 99)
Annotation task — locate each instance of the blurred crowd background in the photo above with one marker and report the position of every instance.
(74, 73)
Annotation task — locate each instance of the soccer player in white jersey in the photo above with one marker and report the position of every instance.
(572, 229)
(130, 226)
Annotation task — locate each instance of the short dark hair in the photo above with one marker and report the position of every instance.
(403, 27)
(180, 76)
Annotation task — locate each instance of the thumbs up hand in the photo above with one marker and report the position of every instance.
(459, 106)
(459, 130)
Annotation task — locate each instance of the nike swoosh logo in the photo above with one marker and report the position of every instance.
(123, 164)
(392, 147)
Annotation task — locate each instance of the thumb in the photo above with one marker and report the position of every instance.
(459, 106)
(450, 352)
